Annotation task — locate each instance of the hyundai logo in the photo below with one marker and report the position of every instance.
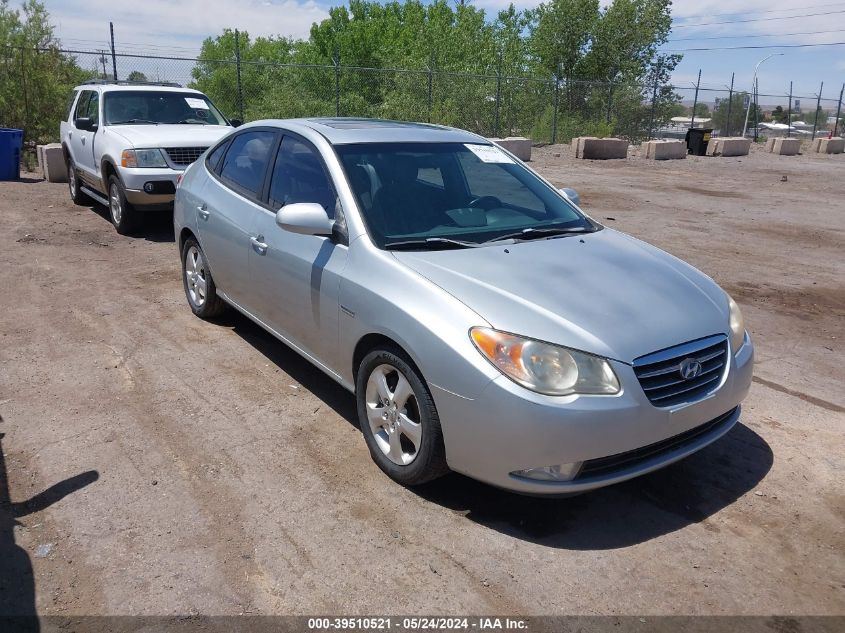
(690, 368)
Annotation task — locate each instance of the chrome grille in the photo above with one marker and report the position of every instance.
(660, 373)
(184, 156)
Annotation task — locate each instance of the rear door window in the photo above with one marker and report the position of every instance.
(69, 109)
(94, 108)
(82, 105)
(246, 161)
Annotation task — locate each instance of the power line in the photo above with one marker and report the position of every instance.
(736, 48)
(745, 37)
(718, 15)
(785, 17)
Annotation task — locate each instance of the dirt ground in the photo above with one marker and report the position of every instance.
(174, 466)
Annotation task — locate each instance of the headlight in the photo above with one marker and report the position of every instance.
(737, 325)
(545, 368)
(142, 158)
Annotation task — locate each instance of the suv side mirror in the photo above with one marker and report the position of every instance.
(306, 218)
(85, 123)
(236, 122)
(571, 195)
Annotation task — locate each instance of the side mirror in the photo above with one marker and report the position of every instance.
(306, 218)
(236, 122)
(85, 123)
(571, 195)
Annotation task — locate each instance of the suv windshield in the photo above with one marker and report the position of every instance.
(436, 195)
(145, 106)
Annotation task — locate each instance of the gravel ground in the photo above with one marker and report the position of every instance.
(174, 466)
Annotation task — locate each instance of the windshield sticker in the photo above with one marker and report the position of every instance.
(197, 104)
(489, 153)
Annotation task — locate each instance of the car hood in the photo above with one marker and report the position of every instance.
(150, 136)
(604, 292)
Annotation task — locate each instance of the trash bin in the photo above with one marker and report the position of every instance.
(11, 143)
(697, 139)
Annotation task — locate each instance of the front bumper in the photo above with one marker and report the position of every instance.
(508, 429)
(163, 192)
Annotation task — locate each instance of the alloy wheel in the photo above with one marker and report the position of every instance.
(393, 414)
(115, 204)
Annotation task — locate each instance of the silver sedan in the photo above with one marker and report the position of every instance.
(485, 324)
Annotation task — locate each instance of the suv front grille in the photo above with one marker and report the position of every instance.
(184, 156)
(660, 373)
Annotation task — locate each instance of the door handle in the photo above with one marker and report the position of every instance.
(203, 211)
(259, 246)
(83, 140)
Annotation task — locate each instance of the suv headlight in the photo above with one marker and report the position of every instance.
(543, 367)
(737, 325)
(142, 158)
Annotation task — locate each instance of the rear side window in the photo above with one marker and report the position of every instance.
(214, 156)
(245, 162)
(69, 109)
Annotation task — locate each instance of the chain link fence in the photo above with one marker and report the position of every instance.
(546, 110)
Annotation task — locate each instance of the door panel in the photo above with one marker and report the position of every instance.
(296, 278)
(82, 141)
(230, 208)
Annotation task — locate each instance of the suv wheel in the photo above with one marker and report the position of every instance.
(73, 185)
(120, 211)
(198, 283)
(398, 418)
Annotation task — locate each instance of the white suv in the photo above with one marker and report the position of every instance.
(125, 144)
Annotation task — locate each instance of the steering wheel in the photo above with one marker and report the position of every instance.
(485, 202)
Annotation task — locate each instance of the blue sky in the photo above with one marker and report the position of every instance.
(178, 27)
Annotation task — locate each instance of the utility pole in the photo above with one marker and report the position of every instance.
(753, 88)
(695, 100)
(789, 113)
(730, 105)
(838, 109)
(113, 56)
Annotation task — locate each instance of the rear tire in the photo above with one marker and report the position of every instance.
(200, 290)
(123, 215)
(398, 418)
(74, 185)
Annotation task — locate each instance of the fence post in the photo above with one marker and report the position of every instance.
(555, 103)
(430, 83)
(695, 100)
(818, 105)
(654, 102)
(238, 73)
(498, 96)
(113, 56)
(336, 60)
(788, 115)
(609, 101)
(730, 105)
(757, 107)
(838, 109)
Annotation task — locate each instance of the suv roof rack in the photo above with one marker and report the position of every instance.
(112, 82)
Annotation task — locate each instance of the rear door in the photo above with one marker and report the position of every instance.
(82, 141)
(229, 207)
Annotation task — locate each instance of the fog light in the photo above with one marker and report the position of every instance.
(149, 187)
(558, 472)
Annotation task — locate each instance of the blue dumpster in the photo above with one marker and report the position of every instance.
(11, 143)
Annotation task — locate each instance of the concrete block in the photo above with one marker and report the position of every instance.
(835, 145)
(592, 148)
(39, 154)
(728, 146)
(783, 146)
(665, 150)
(519, 146)
(53, 162)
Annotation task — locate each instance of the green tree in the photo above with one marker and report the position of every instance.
(136, 76)
(36, 78)
(702, 110)
(736, 106)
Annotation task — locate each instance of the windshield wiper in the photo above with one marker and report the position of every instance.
(431, 243)
(134, 121)
(533, 234)
(187, 122)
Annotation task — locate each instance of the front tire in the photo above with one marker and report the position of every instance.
(74, 185)
(122, 215)
(200, 289)
(398, 418)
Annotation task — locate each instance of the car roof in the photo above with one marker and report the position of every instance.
(343, 131)
(135, 88)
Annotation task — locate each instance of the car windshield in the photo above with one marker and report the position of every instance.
(452, 195)
(139, 107)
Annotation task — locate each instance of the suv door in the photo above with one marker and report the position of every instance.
(295, 278)
(82, 141)
(231, 203)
